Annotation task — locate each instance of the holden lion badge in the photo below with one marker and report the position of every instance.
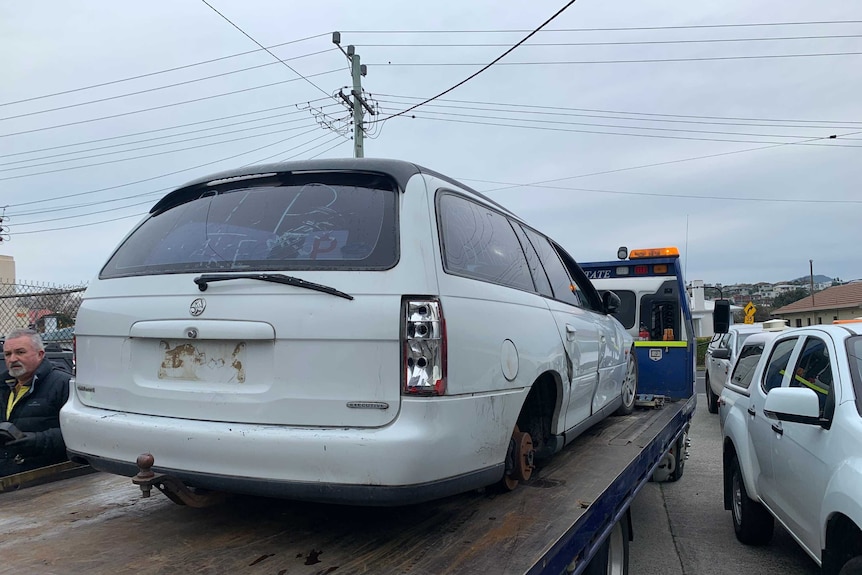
(198, 306)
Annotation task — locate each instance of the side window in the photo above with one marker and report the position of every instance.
(814, 370)
(561, 283)
(778, 364)
(743, 371)
(479, 243)
(540, 278)
(723, 344)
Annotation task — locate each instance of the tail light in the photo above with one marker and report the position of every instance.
(74, 354)
(424, 347)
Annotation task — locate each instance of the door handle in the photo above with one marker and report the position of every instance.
(570, 332)
(751, 411)
(776, 427)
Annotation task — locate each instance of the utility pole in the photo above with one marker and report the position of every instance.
(358, 103)
(811, 279)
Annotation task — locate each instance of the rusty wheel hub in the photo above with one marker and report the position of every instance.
(519, 460)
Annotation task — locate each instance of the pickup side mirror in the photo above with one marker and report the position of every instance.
(721, 316)
(610, 301)
(723, 353)
(793, 404)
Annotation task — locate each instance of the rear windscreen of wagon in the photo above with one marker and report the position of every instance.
(308, 221)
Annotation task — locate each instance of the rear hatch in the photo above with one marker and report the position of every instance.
(270, 300)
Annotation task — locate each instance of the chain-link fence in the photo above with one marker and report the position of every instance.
(49, 309)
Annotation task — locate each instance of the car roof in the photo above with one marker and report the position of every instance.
(761, 337)
(746, 327)
(836, 331)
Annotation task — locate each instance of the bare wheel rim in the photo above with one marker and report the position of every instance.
(522, 459)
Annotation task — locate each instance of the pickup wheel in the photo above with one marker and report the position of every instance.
(711, 398)
(752, 523)
(612, 558)
(630, 386)
(852, 567)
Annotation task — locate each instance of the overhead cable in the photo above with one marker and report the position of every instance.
(247, 35)
(134, 215)
(486, 66)
(140, 111)
(669, 162)
(627, 112)
(156, 73)
(628, 43)
(157, 88)
(629, 134)
(175, 126)
(230, 141)
(680, 27)
(639, 61)
(623, 118)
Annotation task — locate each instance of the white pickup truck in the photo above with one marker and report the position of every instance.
(791, 419)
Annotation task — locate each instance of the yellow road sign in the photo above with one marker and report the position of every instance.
(749, 309)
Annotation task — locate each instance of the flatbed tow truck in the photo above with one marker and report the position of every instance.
(572, 516)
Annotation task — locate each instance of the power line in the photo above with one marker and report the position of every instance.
(629, 43)
(328, 149)
(140, 111)
(681, 27)
(175, 126)
(565, 114)
(88, 192)
(680, 196)
(687, 196)
(154, 192)
(627, 112)
(142, 214)
(666, 163)
(485, 67)
(232, 140)
(640, 61)
(157, 88)
(664, 137)
(149, 74)
(241, 130)
(116, 209)
(228, 20)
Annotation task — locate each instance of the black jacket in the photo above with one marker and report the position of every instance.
(38, 411)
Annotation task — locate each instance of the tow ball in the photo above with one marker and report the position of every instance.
(172, 487)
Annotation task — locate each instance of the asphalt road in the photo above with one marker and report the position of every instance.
(682, 528)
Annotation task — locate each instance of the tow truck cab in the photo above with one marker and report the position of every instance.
(654, 309)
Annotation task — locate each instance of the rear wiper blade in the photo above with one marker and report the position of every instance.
(203, 280)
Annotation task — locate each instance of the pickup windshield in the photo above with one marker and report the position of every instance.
(309, 221)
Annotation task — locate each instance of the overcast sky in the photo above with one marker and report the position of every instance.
(748, 186)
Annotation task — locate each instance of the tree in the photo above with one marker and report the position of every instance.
(788, 298)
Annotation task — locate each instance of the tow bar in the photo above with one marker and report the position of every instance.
(173, 488)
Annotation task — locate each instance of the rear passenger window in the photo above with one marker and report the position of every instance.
(743, 371)
(479, 243)
(540, 278)
(561, 283)
(778, 364)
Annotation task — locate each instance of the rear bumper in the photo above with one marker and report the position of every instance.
(433, 448)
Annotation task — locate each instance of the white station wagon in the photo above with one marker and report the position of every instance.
(362, 331)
